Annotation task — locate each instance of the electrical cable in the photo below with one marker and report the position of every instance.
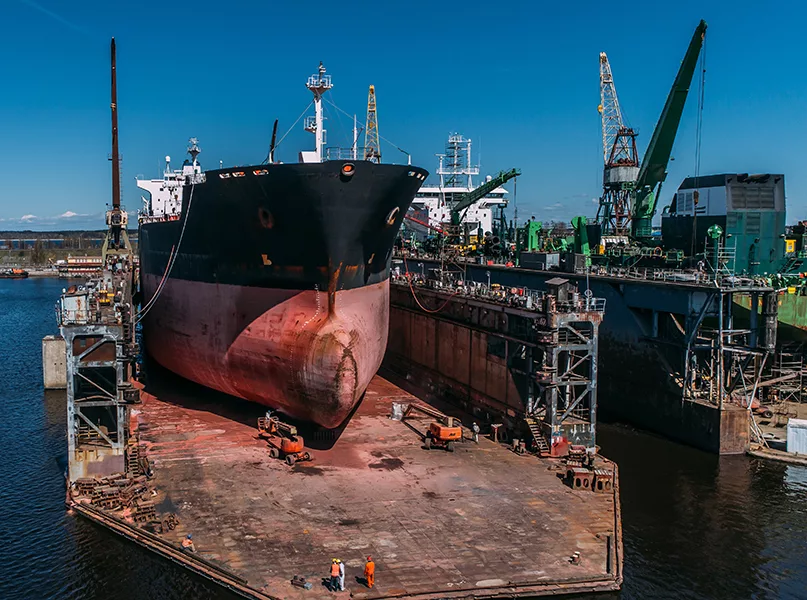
(302, 114)
(414, 295)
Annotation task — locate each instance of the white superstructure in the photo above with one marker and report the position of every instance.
(456, 173)
(165, 195)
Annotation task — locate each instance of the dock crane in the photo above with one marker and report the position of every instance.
(630, 191)
(653, 170)
(621, 162)
(469, 198)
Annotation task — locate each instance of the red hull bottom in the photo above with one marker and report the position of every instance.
(291, 350)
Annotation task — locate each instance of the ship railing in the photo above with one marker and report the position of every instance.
(595, 305)
(698, 277)
(650, 274)
(316, 81)
(334, 153)
(72, 317)
(143, 218)
(99, 316)
(517, 297)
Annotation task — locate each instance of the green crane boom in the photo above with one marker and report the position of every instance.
(654, 165)
(480, 192)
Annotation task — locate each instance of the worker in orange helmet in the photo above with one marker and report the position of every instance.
(334, 575)
(369, 572)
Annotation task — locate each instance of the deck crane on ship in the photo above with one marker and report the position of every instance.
(455, 205)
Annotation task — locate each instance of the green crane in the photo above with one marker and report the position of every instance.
(476, 194)
(653, 170)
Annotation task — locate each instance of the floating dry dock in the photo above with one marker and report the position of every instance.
(158, 463)
(481, 521)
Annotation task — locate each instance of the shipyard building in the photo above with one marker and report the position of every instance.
(747, 207)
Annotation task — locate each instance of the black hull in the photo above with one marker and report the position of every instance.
(298, 226)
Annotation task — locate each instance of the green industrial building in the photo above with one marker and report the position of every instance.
(750, 209)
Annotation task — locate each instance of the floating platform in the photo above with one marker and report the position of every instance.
(479, 522)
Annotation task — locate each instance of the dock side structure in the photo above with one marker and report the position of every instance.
(671, 345)
(519, 359)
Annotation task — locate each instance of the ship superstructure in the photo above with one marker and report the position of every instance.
(456, 172)
(165, 194)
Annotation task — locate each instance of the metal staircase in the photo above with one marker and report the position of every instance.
(540, 441)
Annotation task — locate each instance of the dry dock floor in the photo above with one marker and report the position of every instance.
(479, 522)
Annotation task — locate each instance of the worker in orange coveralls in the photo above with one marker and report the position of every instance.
(334, 575)
(369, 572)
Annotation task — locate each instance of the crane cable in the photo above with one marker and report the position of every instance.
(171, 260)
(381, 137)
(302, 114)
(698, 140)
(699, 127)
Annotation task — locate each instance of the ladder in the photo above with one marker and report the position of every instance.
(540, 441)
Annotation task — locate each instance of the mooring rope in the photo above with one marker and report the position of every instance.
(171, 260)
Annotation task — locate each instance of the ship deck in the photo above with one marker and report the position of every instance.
(482, 521)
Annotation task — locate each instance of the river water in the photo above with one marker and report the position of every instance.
(695, 526)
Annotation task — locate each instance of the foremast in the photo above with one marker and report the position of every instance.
(318, 84)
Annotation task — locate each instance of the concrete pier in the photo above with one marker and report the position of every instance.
(54, 362)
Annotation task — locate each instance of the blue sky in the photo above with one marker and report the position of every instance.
(519, 78)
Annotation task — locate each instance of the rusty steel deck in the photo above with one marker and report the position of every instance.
(479, 522)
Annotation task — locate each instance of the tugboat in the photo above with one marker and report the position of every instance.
(14, 274)
(270, 282)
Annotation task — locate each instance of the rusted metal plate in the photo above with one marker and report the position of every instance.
(479, 359)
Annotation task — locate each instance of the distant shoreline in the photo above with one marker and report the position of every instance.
(43, 273)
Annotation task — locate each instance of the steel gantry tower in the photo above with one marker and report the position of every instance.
(620, 159)
(609, 107)
(372, 147)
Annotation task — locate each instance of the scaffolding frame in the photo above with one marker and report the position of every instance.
(100, 363)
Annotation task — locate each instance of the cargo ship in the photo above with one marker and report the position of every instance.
(270, 282)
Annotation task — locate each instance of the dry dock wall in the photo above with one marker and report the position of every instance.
(635, 385)
(645, 396)
(463, 366)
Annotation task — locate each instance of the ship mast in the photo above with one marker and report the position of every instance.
(318, 83)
